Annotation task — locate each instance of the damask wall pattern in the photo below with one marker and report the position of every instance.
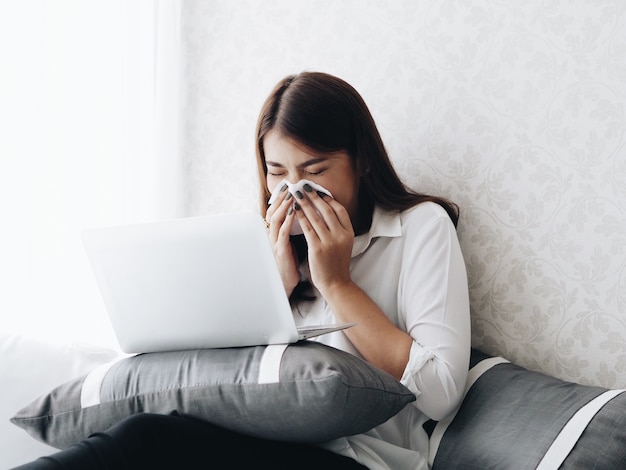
(515, 110)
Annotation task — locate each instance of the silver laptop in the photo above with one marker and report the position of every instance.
(198, 282)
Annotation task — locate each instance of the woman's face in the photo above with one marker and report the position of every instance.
(288, 159)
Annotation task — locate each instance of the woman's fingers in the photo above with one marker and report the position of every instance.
(329, 234)
(276, 215)
(279, 218)
(323, 214)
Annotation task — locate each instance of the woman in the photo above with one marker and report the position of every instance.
(374, 253)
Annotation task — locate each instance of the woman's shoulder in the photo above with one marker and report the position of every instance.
(423, 214)
(426, 223)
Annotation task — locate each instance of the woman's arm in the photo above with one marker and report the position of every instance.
(330, 237)
(434, 303)
(376, 338)
(432, 356)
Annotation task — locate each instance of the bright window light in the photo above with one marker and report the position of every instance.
(77, 104)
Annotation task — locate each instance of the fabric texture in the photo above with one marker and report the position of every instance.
(515, 418)
(320, 393)
(154, 441)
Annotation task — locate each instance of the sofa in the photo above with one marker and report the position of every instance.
(511, 417)
(31, 367)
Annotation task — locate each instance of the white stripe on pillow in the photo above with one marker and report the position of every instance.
(571, 432)
(269, 368)
(90, 391)
(473, 375)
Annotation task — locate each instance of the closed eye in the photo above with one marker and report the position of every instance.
(315, 173)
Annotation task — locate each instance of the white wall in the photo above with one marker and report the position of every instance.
(516, 110)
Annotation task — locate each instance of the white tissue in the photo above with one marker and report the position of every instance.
(293, 188)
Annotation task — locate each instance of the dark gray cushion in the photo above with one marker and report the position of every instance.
(510, 418)
(318, 393)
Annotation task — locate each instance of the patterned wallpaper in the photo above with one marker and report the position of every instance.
(516, 110)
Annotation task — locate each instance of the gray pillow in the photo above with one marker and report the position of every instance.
(305, 392)
(515, 418)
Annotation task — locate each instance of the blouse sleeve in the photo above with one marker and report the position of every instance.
(433, 302)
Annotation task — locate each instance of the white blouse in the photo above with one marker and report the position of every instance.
(410, 263)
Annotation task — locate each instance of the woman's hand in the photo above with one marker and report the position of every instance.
(280, 217)
(329, 235)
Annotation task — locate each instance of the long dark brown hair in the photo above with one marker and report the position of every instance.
(328, 115)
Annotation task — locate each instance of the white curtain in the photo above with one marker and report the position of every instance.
(88, 137)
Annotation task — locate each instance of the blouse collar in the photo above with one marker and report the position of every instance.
(384, 224)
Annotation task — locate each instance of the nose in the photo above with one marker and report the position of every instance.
(294, 176)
